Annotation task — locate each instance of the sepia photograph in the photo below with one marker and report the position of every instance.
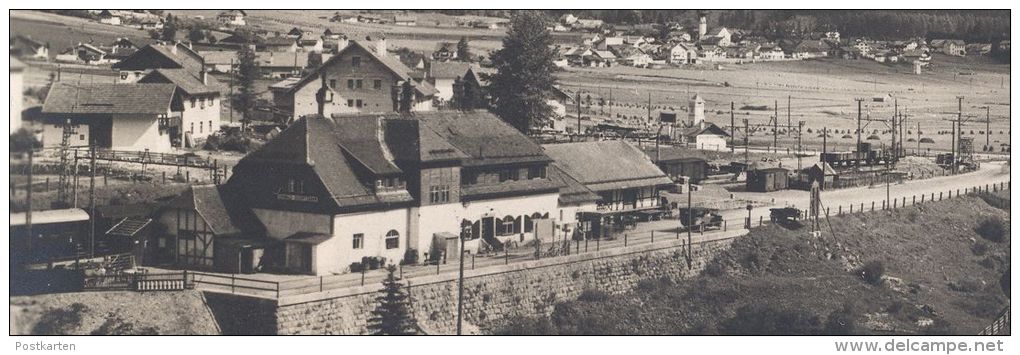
(837, 173)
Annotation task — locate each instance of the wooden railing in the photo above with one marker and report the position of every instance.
(1000, 325)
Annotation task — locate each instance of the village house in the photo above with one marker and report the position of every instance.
(445, 51)
(278, 44)
(231, 18)
(771, 52)
(120, 49)
(630, 55)
(682, 165)
(442, 75)
(334, 192)
(158, 56)
(25, 47)
(807, 49)
(281, 65)
(109, 18)
(137, 117)
(626, 181)
(198, 99)
(705, 136)
(953, 47)
(404, 20)
(710, 52)
(360, 78)
(83, 53)
(148, 24)
(218, 61)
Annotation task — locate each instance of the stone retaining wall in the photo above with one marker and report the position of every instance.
(491, 294)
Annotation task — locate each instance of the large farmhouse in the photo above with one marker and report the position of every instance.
(359, 79)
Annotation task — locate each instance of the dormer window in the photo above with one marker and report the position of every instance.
(295, 186)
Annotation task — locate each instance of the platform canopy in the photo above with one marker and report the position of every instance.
(69, 215)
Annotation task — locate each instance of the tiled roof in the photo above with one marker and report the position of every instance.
(485, 138)
(449, 70)
(182, 57)
(218, 57)
(606, 165)
(670, 153)
(573, 191)
(109, 98)
(391, 63)
(410, 140)
(220, 207)
(281, 59)
(183, 78)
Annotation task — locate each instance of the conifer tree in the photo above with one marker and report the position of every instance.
(393, 314)
(524, 72)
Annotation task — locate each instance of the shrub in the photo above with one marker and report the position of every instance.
(757, 319)
(22, 140)
(233, 141)
(987, 263)
(60, 321)
(593, 295)
(992, 229)
(841, 322)
(939, 327)
(715, 269)
(965, 286)
(116, 326)
(979, 248)
(410, 257)
(872, 272)
(357, 267)
(519, 325)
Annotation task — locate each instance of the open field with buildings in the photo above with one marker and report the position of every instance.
(821, 92)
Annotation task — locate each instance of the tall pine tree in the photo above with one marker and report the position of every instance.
(393, 314)
(244, 99)
(524, 72)
(463, 50)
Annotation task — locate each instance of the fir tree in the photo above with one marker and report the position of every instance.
(463, 50)
(524, 72)
(244, 99)
(169, 29)
(393, 314)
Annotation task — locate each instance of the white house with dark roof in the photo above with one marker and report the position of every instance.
(232, 17)
(135, 117)
(332, 191)
(197, 99)
(25, 47)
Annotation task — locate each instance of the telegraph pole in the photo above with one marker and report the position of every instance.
(28, 198)
(789, 113)
(578, 101)
(825, 142)
(747, 133)
(896, 113)
(460, 287)
(92, 200)
(988, 126)
(733, 129)
(775, 128)
(859, 101)
(957, 125)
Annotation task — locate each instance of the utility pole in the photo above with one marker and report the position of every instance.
(733, 129)
(28, 197)
(957, 126)
(825, 142)
(919, 138)
(789, 113)
(896, 113)
(800, 129)
(859, 101)
(747, 133)
(578, 101)
(988, 126)
(460, 287)
(92, 200)
(690, 224)
(775, 128)
(230, 99)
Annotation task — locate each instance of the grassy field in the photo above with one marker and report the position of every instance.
(940, 276)
(820, 92)
(62, 32)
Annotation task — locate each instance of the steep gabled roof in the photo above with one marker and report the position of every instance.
(485, 138)
(392, 64)
(450, 70)
(155, 56)
(109, 98)
(410, 140)
(184, 80)
(573, 191)
(220, 208)
(606, 165)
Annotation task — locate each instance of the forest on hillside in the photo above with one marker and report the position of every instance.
(968, 25)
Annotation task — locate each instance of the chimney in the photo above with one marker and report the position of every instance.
(702, 26)
(342, 43)
(380, 46)
(173, 48)
(205, 76)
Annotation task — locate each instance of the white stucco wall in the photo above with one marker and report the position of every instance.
(201, 121)
(139, 133)
(17, 98)
(445, 87)
(374, 225)
(710, 142)
(53, 134)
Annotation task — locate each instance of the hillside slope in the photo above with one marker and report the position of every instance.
(112, 313)
(940, 277)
